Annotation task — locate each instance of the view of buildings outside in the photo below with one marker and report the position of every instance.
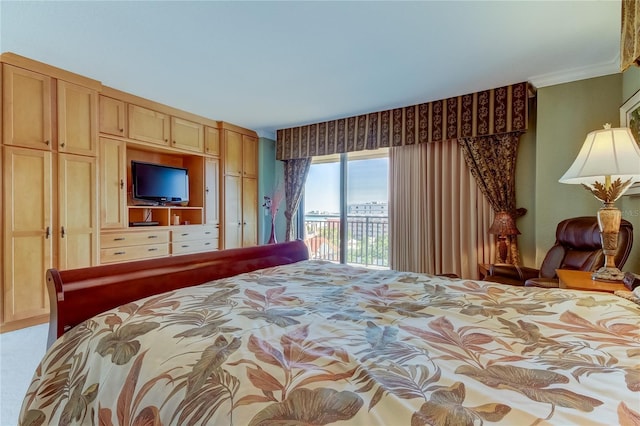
(367, 212)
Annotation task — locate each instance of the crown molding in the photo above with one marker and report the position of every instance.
(575, 74)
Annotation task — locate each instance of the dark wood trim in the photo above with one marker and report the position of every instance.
(78, 294)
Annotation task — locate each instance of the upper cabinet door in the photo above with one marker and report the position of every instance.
(232, 153)
(112, 116)
(147, 125)
(212, 141)
(187, 135)
(26, 108)
(249, 156)
(77, 119)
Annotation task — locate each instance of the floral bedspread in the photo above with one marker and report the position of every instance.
(319, 343)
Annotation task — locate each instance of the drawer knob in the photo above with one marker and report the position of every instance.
(152, 236)
(184, 235)
(184, 246)
(153, 249)
(119, 239)
(120, 252)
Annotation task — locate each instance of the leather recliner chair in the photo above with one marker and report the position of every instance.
(578, 246)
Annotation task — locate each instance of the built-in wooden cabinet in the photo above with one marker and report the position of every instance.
(26, 108)
(48, 223)
(240, 190)
(50, 182)
(147, 125)
(113, 183)
(66, 201)
(112, 116)
(77, 119)
(28, 234)
(27, 113)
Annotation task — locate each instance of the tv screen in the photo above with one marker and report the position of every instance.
(159, 183)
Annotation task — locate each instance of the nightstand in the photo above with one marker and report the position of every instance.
(483, 270)
(580, 280)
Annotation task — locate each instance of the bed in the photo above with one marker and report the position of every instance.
(264, 336)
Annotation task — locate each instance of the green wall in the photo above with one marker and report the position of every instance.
(525, 189)
(270, 172)
(565, 114)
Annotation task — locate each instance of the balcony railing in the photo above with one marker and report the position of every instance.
(367, 239)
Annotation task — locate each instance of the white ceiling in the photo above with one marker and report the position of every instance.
(267, 65)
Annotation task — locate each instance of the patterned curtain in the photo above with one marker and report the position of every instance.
(630, 29)
(492, 161)
(490, 112)
(295, 175)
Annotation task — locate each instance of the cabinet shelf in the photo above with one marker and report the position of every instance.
(166, 215)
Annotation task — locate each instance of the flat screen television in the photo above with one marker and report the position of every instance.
(159, 183)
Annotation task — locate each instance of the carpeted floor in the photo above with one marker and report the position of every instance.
(20, 353)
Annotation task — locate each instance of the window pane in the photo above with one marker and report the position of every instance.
(322, 211)
(366, 201)
(368, 212)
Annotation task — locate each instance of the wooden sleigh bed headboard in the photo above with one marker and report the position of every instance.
(78, 294)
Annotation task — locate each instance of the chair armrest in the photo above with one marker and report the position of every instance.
(521, 273)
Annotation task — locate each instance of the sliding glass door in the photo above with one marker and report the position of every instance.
(346, 217)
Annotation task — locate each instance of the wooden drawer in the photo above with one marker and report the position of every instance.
(125, 239)
(185, 247)
(190, 233)
(122, 254)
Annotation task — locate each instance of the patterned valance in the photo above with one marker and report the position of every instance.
(629, 40)
(489, 112)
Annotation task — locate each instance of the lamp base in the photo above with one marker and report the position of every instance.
(607, 274)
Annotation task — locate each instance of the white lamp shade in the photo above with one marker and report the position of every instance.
(606, 152)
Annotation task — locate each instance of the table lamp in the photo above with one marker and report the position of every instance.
(503, 226)
(607, 164)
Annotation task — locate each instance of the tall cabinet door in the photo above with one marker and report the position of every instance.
(232, 212)
(249, 212)
(27, 232)
(77, 119)
(26, 108)
(77, 212)
(113, 183)
(212, 191)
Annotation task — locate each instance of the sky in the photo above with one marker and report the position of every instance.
(367, 181)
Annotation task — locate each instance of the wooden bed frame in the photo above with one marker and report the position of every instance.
(79, 294)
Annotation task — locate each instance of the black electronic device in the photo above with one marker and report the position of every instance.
(160, 183)
(150, 223)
